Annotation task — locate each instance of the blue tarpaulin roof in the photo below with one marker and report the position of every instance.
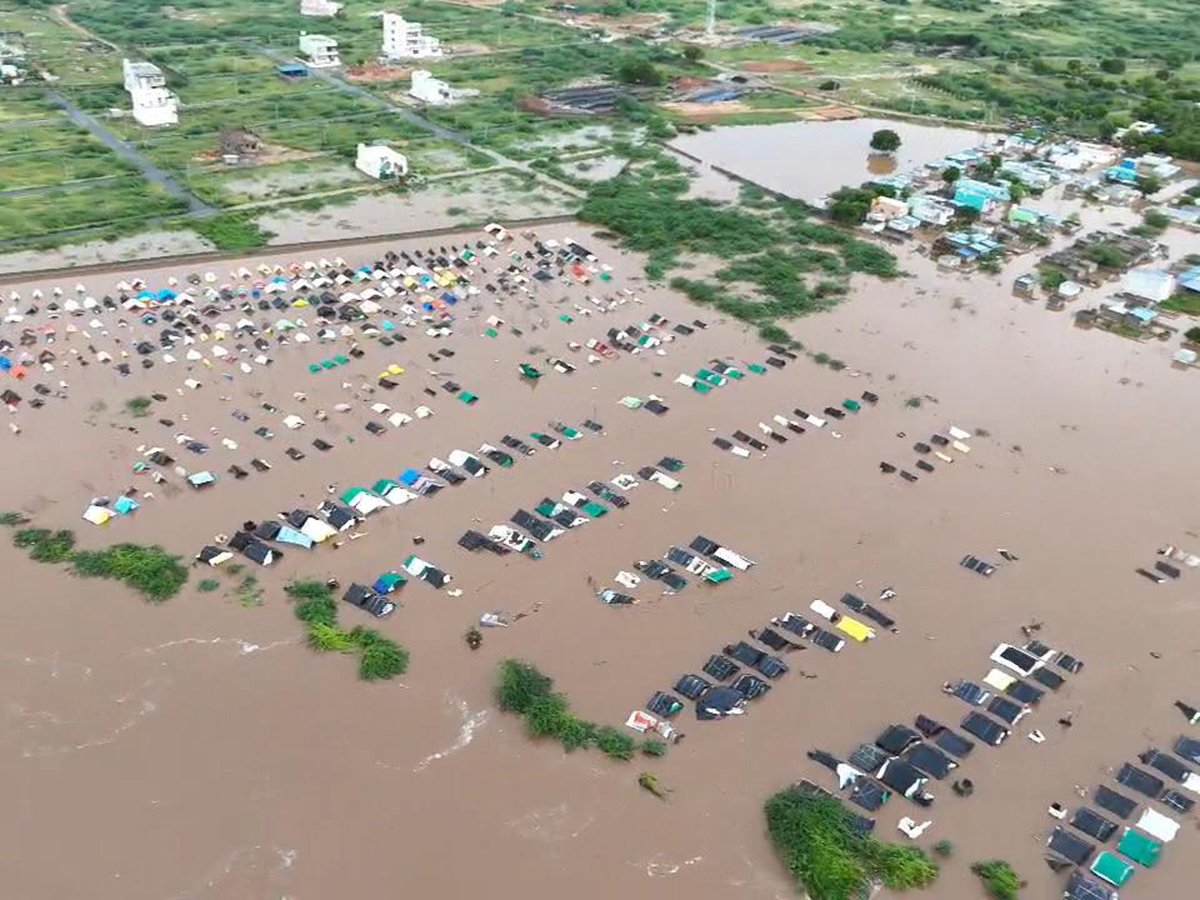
(409, 477)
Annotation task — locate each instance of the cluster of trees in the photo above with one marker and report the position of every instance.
(151, 571)
(379, 658)
(522, 689)
(815, 837)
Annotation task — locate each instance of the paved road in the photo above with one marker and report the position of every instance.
(150, 171)
(420, 121)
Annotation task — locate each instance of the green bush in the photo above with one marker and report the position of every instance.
(1193, 334)
(231, 231)
(382, 658)
(11, 519)
(522, 689)
(326, 638)
(208, 585)
(320, 610)
(614, 744)
(520, 686)
(151, 571)
(138, 407)
(944, 849)
(1000, 879)
(829, 859)
(308, 589)
(654, 747)
(547, 716)
(45, 545)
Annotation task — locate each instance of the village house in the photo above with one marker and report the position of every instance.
(319, 9)
(153, 104)
(406, 40)
(12, 57)
(320, 50)
(381, 161)
(430, 90)
(237, 145)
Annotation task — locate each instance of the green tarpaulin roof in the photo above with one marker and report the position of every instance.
(701, 387)
(350, 493)
(1112, 868)
(718, 575)
(595, 510)
(734, 373)
(383, 485)
(852, 405)
(1139, 848)
(545, 508)
(467, 397)
(757, 369)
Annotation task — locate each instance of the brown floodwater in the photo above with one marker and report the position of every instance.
(808, 160)
(199, 750)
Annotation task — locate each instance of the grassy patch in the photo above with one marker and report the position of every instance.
(208, 585)
(231, 231)
(814, 836)
(1186, 302)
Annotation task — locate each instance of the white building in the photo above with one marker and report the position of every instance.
(381, 161)
(430, 90)
(319, 9)
(153, 104)
(406, 40)
(320, 50)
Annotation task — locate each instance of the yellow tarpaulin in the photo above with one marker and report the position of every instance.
(855, 629)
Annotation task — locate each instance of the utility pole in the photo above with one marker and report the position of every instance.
(710, 28)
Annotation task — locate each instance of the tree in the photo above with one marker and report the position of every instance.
(885, 141)
(1148, 185)
(638, 70)
(693, 53)
(1112, 66)
(1193, 334)
(850, 206)
(829, 85)
(951, 174)
(1001, 881)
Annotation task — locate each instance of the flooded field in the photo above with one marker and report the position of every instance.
(808, 160)
(198, 749)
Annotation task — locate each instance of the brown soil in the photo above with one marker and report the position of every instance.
(376, 73)
(830, 113)
(777, 65)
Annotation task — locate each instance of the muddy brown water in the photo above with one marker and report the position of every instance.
(809, 160)
(198, 749)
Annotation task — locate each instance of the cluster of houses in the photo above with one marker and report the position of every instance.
(985, 199)
(402, 39)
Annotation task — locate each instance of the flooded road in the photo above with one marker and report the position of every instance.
(808, 160)
(199, 749)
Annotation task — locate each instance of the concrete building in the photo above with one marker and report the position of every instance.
(319, 9)
(237, 144)
(153, 104)
(407, 40)
(381, 161)
(430, 90)
(12, 57)
(320, 50)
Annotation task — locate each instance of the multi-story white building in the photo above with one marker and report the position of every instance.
(320, 50)
(407, 40)
(153, 104)
(319, 9)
